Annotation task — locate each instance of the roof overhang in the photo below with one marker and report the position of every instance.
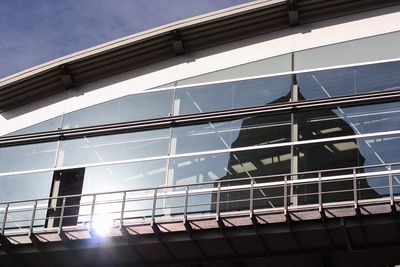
(171, 40)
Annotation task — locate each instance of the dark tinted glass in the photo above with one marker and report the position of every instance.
(349, 153)
(327, 123)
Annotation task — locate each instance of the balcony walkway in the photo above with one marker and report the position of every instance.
(317, 218)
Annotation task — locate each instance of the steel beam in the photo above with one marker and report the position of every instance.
(345, 234)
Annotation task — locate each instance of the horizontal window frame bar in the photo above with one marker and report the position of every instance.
(182, 120)
(207, 152)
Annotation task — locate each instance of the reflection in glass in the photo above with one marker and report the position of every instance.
(113, 147)
(227, 166)
(122, 177)
(27, 157)
(350, 80)
(350, 153)
(349, 120)
(224, 135)
(231, 95)
(23, 187)
(129, 108)
(45, 126)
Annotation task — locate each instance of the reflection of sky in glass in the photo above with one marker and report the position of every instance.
(129, 108)
(349, 81)
(230, 95)
(27, 157)
(22, 187)
(113, 147)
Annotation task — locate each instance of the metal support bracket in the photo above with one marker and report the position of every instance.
(177, 43)
(345, 234)
(66, 76)
(7, 247)
(293, 13)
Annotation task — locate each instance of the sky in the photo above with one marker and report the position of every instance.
(36, 31)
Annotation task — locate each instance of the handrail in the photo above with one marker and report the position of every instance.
(157, 199)
(223, 181)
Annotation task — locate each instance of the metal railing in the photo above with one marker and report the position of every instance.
(274, 193)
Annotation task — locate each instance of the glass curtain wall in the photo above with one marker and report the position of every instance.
(228, 149)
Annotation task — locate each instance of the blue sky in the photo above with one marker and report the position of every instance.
(37, 31)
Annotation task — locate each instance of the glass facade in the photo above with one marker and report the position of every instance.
(278, 141)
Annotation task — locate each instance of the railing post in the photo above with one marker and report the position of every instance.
(61, 215)
(185, 207)
(92, 211)
(153, 211)
(389, 167)
(217, 208)
(33, 218)
(285, 196)
(3, 224)
(355, 188)
(319, 191)
(251, 198)
(121, 218)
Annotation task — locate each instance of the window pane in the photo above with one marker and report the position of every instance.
(27, 157)
(25, 186)
(358, 152)
(250, 131)
(230, 95)
(45, 126)
(137, 175)
(349, 121)
(266, 66)
(113, 147)
(380, 47)
(349, 81)
(226, 166)
(129, 108)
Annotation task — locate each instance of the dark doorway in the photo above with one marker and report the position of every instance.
(65, 183)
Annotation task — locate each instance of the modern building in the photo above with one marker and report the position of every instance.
(266, 134)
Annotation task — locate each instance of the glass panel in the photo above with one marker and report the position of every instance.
(349, 81)
(326, 123)
(373, 48)
(251, 131)
(113, 147)
(137, 175)
(45, 126)
(358, 152)
(27, 157)
(262, 67)
(226, 166)
(25, 187)
(230, 95)
(129, 108)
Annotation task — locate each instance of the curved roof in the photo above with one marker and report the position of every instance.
(171, 40)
